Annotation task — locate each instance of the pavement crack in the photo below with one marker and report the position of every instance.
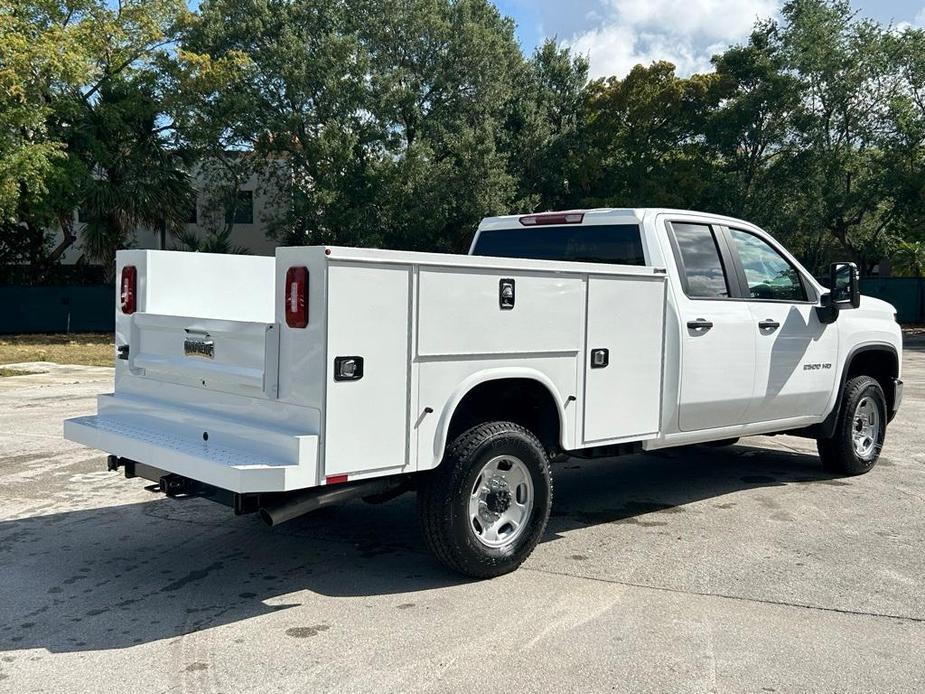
(725, 596)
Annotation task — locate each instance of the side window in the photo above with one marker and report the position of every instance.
(699, 257)
(769, 275)
(243, 210)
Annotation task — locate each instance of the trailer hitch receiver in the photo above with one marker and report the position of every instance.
(174, 485)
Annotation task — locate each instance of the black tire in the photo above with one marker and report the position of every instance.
(444, 496)
(838, 453)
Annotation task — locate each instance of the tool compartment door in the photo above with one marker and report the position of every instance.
(235, 357)
(623, 358)
(366, 420)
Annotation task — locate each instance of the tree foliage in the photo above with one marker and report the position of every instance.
(87, 74)
(401, 123)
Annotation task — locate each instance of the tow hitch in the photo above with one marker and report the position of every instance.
(173, 485)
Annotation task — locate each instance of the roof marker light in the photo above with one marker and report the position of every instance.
(556, 218)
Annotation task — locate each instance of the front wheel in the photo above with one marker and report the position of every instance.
(859, 431)
(485, 507)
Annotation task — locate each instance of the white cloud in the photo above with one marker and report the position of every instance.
(614, 49)
(685, 32)
(712, 19)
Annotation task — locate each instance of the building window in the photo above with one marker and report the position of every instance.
(243, 211)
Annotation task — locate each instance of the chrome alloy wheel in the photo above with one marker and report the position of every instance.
(865, 429)
(501, 501)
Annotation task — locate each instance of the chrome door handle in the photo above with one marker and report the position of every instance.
(700, 324)
(768, 324)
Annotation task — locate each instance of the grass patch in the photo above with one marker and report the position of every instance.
(88, 349)
(4, 372)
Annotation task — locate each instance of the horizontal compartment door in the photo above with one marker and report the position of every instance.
(228, 356)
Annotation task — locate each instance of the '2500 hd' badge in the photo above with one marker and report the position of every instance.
(817, 366)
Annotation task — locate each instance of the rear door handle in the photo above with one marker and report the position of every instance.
(768, 324)
(700, 324)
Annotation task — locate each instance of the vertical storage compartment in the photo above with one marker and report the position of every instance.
(366, 417)
(623, 386)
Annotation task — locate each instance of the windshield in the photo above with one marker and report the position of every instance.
(601, 243)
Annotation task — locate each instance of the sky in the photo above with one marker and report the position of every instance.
(617, 34)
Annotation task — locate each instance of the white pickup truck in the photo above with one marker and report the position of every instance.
(279, 385)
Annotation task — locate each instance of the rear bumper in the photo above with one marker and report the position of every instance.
(216, 452)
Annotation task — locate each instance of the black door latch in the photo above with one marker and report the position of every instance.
(506, 294)
(600, 358)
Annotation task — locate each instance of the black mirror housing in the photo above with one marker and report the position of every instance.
(844, 292)
(844, 286)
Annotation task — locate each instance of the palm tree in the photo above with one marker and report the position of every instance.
(137, 179)
(909, 259)
(214, 241)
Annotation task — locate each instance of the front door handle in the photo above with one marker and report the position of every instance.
(768, 324)
(700, 324)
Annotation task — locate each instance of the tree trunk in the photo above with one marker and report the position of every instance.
(67, 228)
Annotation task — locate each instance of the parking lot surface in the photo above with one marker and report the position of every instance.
(745, 569)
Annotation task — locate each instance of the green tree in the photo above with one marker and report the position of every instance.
(136, 178)
(909, 259)
(842, 127)
(749, 131)
(379, 123)
(43, 55)
(299, 103)
(442, 78)
(642, 139)
(94, 74)
(543, 127)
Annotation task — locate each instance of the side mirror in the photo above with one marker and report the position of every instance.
(844, 292)
(844, 288)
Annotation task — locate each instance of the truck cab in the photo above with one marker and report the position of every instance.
(752, 345)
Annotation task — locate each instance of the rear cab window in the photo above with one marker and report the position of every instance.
(700, 263)
(619, 244)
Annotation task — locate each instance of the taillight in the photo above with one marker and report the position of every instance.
(556, 218)
(128, 289)
(296, 297)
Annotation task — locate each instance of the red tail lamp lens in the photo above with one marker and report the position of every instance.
(296, 297)
(128, 291)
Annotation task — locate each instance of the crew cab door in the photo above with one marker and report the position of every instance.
(717, 335)
(795, 352)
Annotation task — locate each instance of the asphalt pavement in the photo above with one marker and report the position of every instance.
(745, 569)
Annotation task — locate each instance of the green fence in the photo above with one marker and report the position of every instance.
(39, 309)
(91, 308)
(907, 294)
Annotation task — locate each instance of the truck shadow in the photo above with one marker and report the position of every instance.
(119, 576)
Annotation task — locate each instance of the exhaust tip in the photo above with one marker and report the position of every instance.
(265, 516)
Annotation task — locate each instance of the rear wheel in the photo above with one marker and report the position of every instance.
(859, 431)
(485, 507)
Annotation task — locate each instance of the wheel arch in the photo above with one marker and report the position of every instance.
(483, 396)
(880, 361)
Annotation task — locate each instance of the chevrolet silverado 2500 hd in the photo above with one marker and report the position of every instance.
(279, 385)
